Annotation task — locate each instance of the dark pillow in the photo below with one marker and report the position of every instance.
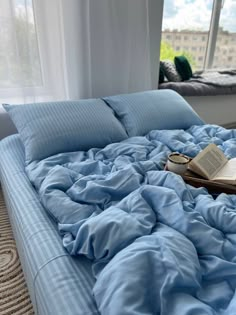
(183, 67)
(161, 74)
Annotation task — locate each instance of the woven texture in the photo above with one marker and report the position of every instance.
(14, 297)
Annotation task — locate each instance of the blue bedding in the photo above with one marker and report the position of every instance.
(158, 246)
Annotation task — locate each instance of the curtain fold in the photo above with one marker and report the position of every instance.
(120, 44)
(74, 49)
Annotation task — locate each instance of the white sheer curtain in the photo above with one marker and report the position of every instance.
(58, 49)
(31, 51)
(117, 45)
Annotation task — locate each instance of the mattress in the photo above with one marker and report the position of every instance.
(58, 283)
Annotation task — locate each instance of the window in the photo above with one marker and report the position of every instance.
(185, 17)
(226, 35)
(31, 63)
(19, 65)
(207, 26)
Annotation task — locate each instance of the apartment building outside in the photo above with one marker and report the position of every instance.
(195, 43)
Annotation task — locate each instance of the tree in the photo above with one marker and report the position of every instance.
(168, 52)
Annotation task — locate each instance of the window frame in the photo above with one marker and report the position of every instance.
(211, 39)
(212, 36)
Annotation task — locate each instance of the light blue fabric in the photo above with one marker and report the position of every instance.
(159, 109)
(158, 246)
(57, 283)
(50, 128)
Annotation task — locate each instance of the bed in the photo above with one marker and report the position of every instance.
(100, 227)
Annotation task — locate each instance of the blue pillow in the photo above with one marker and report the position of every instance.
(49, 128)
(157, 109)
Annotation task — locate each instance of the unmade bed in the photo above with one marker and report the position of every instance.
(100, 227)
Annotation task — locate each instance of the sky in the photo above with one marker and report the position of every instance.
(188, 14)
(196, 14)
(22, 2)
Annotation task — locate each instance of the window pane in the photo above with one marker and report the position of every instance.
(225, 51)
(19, 53)
(185, 30)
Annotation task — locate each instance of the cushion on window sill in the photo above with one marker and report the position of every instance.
(183, 67)
(170, 71)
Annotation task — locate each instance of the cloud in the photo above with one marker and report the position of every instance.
(196, 14)
(170, 9)
(228, 16)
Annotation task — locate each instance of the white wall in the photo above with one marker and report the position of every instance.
(220, 109)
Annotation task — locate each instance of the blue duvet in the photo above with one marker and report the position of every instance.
(158, 246)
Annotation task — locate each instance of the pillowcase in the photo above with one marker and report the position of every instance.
(157, 109)
(170, 71)
(49, 128)
(183, 67)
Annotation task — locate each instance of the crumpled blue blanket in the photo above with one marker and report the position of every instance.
(158, 246)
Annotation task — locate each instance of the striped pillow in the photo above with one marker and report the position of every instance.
(170, 71)
(158, 109)
(49, 128)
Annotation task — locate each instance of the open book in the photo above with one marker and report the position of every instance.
(211, 163)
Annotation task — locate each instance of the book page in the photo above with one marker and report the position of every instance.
(209, 161)
(228, 172)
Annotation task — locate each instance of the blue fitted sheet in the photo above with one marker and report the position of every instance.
(158, 246)
(58, 283)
